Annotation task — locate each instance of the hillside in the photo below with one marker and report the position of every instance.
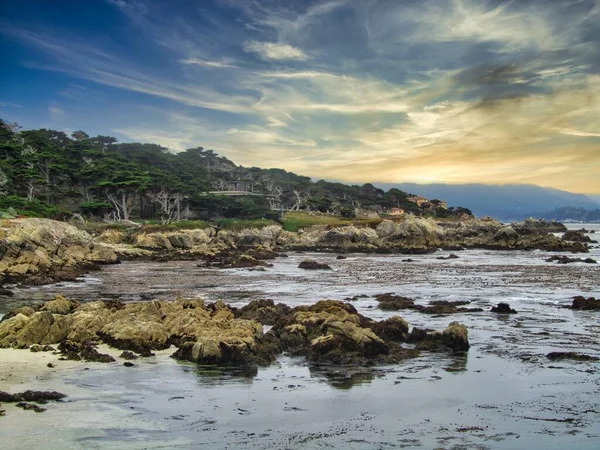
(504, 202)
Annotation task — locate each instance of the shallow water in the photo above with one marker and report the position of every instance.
(505, 394)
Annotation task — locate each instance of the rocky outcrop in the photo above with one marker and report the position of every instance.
(43, 250)
(333, 332)
(419, 235)
(328, 331)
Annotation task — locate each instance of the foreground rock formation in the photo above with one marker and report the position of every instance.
(328, 331)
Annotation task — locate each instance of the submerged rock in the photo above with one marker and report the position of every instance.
(392, 302)
(559, 356)
(585, 304)
(503, 308)
(311, 264)
(567, 260)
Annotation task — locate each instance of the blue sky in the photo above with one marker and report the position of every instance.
(358, 90)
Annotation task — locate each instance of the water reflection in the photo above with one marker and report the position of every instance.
(222, 374)
(344, 377)
(457, 364)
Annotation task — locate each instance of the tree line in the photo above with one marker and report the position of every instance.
(45, 172)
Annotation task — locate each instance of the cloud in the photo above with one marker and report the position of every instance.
(56, 113)
(275, 51)
(201, 62)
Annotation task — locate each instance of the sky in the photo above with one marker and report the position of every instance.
(449, 91)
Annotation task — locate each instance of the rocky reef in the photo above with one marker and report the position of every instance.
(327, 332)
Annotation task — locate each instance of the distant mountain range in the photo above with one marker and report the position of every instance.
(503, 202)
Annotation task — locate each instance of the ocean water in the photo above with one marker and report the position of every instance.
(504, 394)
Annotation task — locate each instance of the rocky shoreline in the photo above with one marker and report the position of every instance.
(42, 251)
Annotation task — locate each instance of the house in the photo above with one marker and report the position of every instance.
(394, 211)
(419, 200)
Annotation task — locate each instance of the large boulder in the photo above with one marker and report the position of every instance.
(21, 331)
(507, 235)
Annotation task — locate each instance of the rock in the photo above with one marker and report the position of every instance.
(263, 311)
(89, 353)
(30, 407)
(31, 396)
(83, 351)
(39, 249)
(450, 256)
(32, 331)
(415, 233)
(559, 356)
(238, 261)
(60, 305)
(392, 302)
(579, 303)
(261, 253)
(135, 334)
(41, 348)
(128, 355)
(236, 342)
(456, 337)
(25, 310)
(128, 364)
(503, 308)
(507, 235)
(576, 236)
(567, 260)
(386, 229)
(534, 226)
(311, 264)
(111, 236)
(5, 292)
(393, 329)
(340, 257)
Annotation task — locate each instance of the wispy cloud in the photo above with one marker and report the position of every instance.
(201, 62)
(275, 50)
(55, 112)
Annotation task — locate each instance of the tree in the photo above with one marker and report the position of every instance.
(80, 135)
